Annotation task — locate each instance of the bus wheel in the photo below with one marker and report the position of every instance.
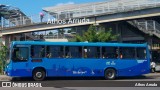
(110, 74)
(39, 74)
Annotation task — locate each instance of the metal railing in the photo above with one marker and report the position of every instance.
(27, 20)
(147, 26)
(111, 7)
(34, 37)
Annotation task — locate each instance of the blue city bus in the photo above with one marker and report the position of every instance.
(40, 59)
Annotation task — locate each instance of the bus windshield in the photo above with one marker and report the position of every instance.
(20, 54)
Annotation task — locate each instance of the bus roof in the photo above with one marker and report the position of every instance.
(78, 43)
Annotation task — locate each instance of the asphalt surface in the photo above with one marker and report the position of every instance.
(85, 88)
(92, 83)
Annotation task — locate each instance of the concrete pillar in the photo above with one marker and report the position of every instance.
(118, 32)
(150, 43)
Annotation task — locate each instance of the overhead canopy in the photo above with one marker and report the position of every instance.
(105, 7)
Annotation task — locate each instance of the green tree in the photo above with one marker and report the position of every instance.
(94, 35)
(50, 33)
(61, 31)
(71, 30)
(3, 56)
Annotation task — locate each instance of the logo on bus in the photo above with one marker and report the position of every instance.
(110, 63)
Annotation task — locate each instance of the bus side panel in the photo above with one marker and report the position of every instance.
(94, 67)
(76, 67)
(21, 69)
(140, 67)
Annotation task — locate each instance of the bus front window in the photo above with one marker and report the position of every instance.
(20, 54)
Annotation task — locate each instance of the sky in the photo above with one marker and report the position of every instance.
(34, 7)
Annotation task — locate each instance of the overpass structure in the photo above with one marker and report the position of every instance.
(98, 12)
(134, 12)
(8, 14)
(134, 20)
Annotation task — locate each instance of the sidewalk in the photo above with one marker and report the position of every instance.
(152, 74)
(4, 78)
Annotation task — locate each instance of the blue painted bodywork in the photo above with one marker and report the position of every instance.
(79, 67)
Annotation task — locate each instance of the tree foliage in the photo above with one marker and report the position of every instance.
(61, 31)
(94, 35)
(50, 33)
(3, 56)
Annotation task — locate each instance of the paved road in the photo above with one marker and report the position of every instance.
(85, 88)
(92, 83)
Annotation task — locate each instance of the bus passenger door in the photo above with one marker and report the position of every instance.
(20, 58)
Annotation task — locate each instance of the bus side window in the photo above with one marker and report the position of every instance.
(73, 52)
(69, 55)
(41, 54)
(49, 55)
(109, 52)
(37, 51)
(53, 51)
(105, 55)
(85, 52)
(127, 52)
(120, 55)
(91, 52)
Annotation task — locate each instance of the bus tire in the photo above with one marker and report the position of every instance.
(39, 74)
(110, 74)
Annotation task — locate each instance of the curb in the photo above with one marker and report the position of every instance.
(153, 74)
